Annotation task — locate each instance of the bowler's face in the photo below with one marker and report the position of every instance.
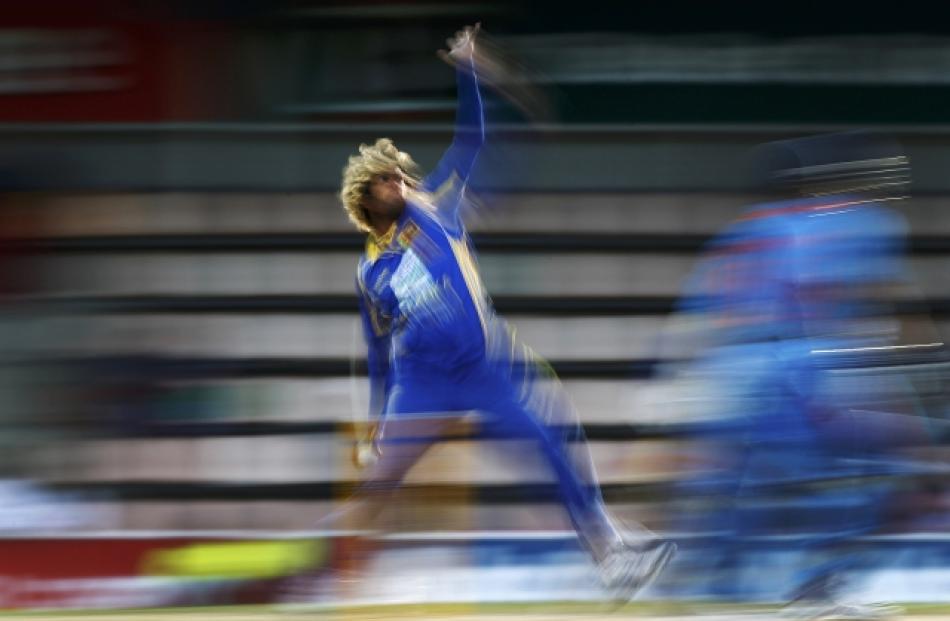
(387, 194)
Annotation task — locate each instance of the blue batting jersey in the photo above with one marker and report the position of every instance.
(785, 266)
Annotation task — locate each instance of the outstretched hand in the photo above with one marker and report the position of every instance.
(469, 48)
(461, 47)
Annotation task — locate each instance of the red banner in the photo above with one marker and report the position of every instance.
(119, 572)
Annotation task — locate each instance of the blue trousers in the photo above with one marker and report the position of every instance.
(512, 401)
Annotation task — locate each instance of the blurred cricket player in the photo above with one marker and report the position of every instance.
(436, 348)
(803, 348)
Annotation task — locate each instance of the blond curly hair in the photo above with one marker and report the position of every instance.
(377, 159)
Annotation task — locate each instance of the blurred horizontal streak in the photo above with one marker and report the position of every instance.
(362, 106)
(519, 493)
(331, 242)
(280, 157)
(194, 368)
(583, 306)
(329, 490)
(636, 58)
(169, 368)
(603, 432)
(563, 305)
(393, 11)
(334, 242)
(758, 130)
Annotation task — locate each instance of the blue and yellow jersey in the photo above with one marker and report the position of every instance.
(422, 301)
(422, 293)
